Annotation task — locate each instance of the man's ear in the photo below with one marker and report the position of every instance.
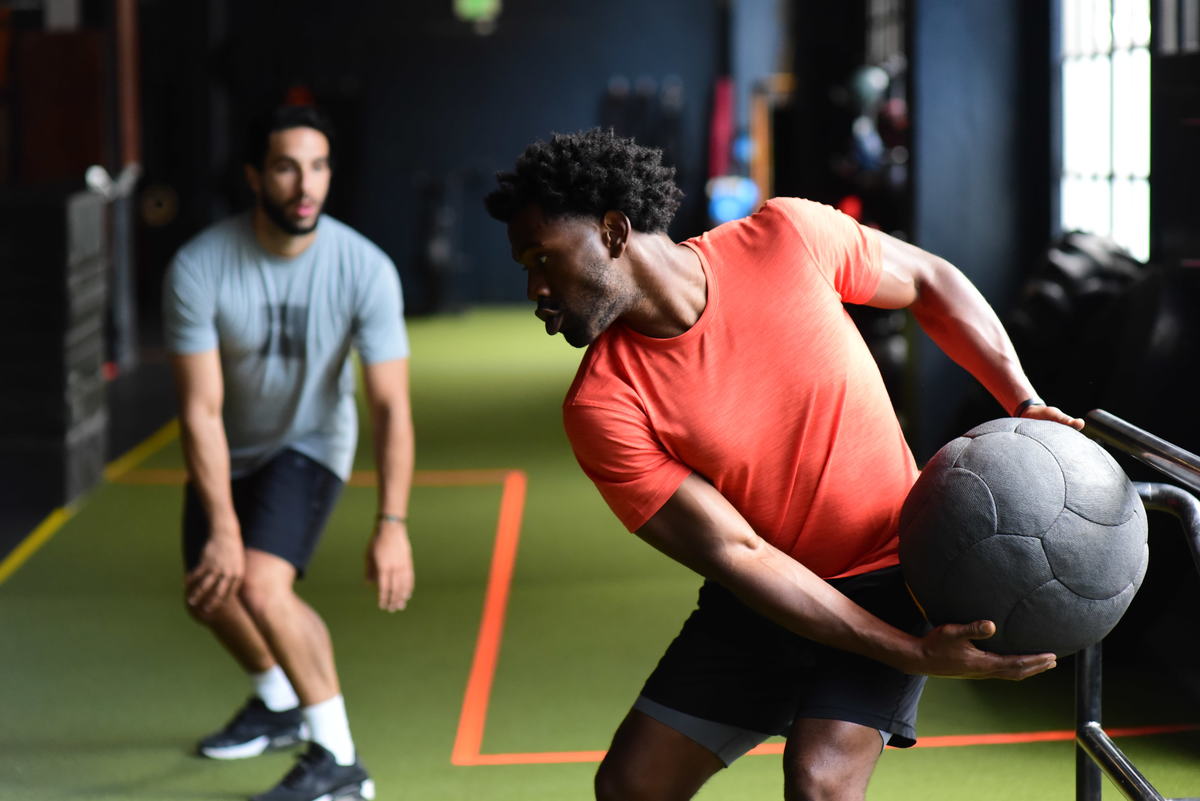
(253, 179)
(615, 230)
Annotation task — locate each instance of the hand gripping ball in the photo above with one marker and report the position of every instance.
(1031, 525)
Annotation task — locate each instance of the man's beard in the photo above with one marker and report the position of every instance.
(276, 214)
(605, 301)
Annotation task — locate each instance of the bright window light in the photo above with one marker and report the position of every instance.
(1105, 183)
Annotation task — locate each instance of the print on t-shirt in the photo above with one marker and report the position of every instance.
(287, 329)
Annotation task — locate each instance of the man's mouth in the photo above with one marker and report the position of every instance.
(553, 318)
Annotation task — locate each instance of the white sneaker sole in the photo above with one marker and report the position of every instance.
(364, 791)
(253, 748)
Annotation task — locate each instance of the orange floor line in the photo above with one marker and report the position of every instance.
(1014, 738)
(939, 741)
(469, 738)
(536, 758)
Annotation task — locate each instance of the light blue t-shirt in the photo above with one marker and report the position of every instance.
(284, 328)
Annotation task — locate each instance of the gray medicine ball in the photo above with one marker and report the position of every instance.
(1031, 525)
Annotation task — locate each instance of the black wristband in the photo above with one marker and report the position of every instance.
(1024, 405)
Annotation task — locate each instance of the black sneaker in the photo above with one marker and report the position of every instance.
(318, 777)
(253, 730)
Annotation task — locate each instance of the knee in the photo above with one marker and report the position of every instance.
(619, 782)
(199, 614)
(206, 617)
(262, 594)
(820, 783)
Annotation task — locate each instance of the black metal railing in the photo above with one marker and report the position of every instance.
(1095, 752)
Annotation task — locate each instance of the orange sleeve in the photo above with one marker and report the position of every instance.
(620, 454)
(848, 254)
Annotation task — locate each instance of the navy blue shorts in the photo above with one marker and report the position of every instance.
(282, 508)
(731, 665)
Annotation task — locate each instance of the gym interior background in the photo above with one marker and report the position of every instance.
(1046, 147)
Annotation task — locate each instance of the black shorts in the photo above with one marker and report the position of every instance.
(282, 508)
(732, 666)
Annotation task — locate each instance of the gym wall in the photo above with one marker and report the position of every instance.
(425, 108)
(980, 168)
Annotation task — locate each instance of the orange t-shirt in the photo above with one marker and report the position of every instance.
(772, 396)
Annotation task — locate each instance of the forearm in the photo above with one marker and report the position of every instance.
(785, 591)
(962, 323)
(394, 456)
(206, 452)
(702, 531)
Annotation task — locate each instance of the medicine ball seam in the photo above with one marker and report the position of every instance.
(998, 640)
(1112, 464)
(950, 568)
(1132, 514)
(1066, 484)
(1079, 591)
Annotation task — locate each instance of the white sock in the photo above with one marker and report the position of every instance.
(273, 687)
(329, 728)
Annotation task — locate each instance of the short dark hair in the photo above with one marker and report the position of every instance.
(282, 118)
(586, 174)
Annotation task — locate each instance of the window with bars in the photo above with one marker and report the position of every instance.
(1105, 78)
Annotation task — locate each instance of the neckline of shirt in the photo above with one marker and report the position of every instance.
(711, 300)
(274, 259)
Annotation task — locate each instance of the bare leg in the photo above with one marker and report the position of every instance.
(829, 760)
(292, 629)
(234, 629)
(650, 760)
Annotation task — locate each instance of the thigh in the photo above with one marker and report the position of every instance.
(268, 571)
(648, 759)
(730, 665)
(848, 687)
(726, 741)
(282, 508)
(829, 759)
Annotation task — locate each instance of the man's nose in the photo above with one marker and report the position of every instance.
(308, 182)
(535, 286)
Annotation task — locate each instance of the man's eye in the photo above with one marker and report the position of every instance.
(542, 259)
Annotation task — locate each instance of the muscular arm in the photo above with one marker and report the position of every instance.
(957, 317)
(200, 387)
(700, 529)
(389, 558)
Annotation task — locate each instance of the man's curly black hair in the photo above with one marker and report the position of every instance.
(586, 174)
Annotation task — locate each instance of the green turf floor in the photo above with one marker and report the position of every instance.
(106, 682)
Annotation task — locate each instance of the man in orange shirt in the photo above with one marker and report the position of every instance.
(731, 415)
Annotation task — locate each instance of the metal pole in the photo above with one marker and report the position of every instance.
(1094, 749)
(1087, 712)
(1128, 779)
(124, 268)
(1180, 503)
(1171, 460)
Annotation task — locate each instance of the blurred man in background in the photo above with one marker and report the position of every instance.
(261, 312)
